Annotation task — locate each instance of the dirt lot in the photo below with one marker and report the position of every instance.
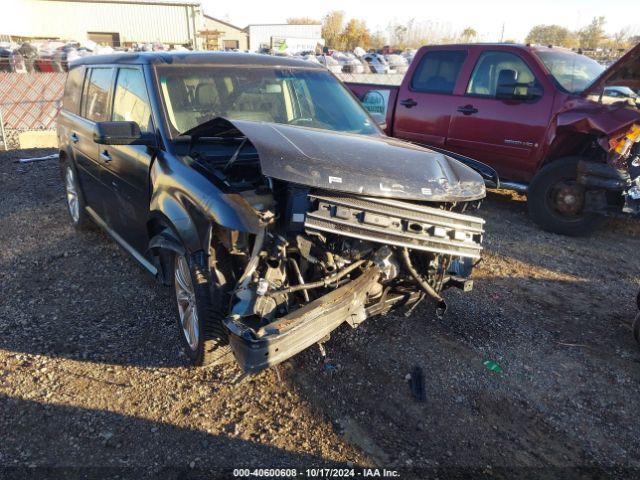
(91, 375)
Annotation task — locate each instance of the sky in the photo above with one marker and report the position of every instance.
(485, 16)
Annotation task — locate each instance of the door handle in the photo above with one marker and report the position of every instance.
(409, 103)
(104, 155)
(468, 110)
(74, 137)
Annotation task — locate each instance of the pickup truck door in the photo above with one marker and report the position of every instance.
(426, 97)
(126, 172)
(506, 133)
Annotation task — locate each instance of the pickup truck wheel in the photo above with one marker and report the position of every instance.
(556, 200)
(74, 198)
(199, 314)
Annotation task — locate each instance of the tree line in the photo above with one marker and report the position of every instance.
(591, 37)
(342, 34)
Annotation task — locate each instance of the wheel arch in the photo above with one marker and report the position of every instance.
(187, 225)
(569, 144)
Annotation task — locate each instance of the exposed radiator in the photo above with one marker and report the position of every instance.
(399, 223)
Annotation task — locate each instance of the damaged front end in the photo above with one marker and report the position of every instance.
(334, 251)
(605, 132)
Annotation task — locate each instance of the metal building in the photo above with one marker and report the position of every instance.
(112, 22)
(293, 37)
(221, 35)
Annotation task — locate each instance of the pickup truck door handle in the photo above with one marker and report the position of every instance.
(104, 155)
(468, 110)
(74, 137)
(409, 103)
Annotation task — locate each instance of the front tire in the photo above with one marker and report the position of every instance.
(556, 200)
(200, 310)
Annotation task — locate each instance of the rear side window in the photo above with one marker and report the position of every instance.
(130, 101)
(95, 104)
(484, 79)
(438, 71)
(73, 90)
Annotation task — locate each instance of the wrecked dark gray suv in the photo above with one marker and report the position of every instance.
(265, 195)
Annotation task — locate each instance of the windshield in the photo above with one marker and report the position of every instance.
(292, 96)
(572, 71)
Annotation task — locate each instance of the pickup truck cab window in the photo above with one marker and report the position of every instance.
(96, 102)
(131, 102)
(291, 96)
(485, 77)
(438, 71)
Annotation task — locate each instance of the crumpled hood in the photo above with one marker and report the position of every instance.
(366, 165)
(596, 118)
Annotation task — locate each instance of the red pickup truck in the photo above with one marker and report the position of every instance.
(541, 116)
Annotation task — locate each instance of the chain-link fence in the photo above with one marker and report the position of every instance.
(28, 102)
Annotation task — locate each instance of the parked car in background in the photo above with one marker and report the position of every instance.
(330, 63)
(376, 63)
(309, 58)
(29, 54)
(617, 93)
(410, 54)
(264, 194)
(10, 59)
(349, 62)
(397, 63)
(533, 113)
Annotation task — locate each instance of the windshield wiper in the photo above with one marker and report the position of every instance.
(235, 155)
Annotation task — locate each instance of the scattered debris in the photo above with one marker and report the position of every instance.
(38, 159)
(493, 366)
(571, 344)
(330, 367)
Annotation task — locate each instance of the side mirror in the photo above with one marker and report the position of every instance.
(508, 87)
(120, 133)
(507, 83)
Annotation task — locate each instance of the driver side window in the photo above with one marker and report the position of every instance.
(484, 79)
(131, 103)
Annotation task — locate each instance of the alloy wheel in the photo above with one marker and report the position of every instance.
(72, 194)
(186, 300)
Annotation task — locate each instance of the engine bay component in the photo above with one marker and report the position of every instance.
(398, 223)
(355, 257)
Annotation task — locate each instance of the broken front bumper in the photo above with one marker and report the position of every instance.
(289, 335)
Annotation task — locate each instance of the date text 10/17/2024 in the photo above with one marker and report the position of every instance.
(316, 473)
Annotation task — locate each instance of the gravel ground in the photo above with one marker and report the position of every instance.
(91, 374)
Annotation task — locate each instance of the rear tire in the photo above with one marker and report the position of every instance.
(556, 201)
(74, 198)
(205, 343)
